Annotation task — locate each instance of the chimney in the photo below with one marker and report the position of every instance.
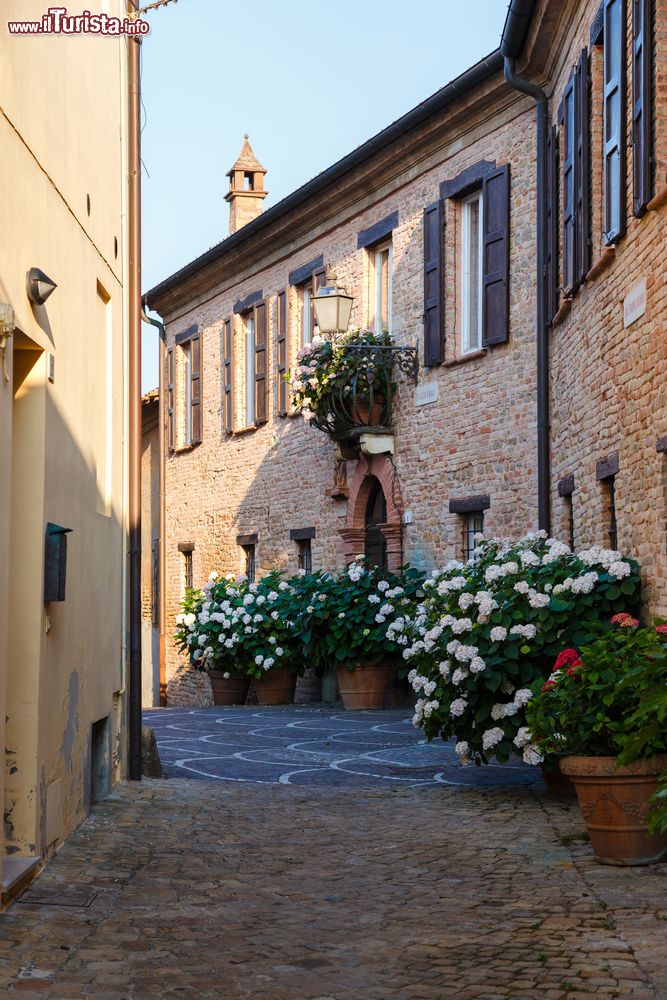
(246, 188)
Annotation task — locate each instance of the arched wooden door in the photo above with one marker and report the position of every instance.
(376, 513)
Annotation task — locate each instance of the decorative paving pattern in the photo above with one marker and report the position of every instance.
(306, 745)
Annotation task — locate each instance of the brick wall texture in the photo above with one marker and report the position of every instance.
(479, 436)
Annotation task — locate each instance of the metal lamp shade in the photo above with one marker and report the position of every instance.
(333, 307)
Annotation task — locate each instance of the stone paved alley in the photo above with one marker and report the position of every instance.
(360, 887)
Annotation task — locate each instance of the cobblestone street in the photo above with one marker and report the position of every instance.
(372, 888)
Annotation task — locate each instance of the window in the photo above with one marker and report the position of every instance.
(473, 528)
(282, 351)
(380, 288)
(609, 499)
(169, 398)
(306, 310)
(187, 368)
(188, 578)
(471, 270)
(227, 376)
(249, 553)
(614, 119)
(190, 347)
(642, 104)
(575, 117)
(249, 369)
(305, 555)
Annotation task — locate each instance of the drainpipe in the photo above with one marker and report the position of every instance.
(162, 575)
(542, 361)
(134, 297)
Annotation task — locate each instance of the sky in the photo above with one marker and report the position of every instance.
(309, 81)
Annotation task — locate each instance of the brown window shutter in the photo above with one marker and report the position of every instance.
(433, 311)
(228, 376)
(569, 281)
(169, 396)
(582, 168)
(496, 256)
(281, 323)
(614, 120)
(642, 104)
(261, 362)
(195, 390)
(319, 278)
(552, 223)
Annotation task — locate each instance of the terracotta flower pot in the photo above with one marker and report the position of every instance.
(366, 415)
(276, 687)
(557, 783)
(615, 804)
(228, 690)
(363, 687)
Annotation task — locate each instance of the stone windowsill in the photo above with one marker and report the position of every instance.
(658, 201)
(607, 256)
(240, 431)
(462, 359)
(563, 312)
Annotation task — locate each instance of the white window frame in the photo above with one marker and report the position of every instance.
(306, 299)
(249, 325)
(187, 370)
(469, 344)
(376, 284)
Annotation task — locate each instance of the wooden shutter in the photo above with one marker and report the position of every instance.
(642, 104)
(614, 120)
(552, 222)
(495, 256)
(319, 278)
(433, 312)
(169, 397)
(281, 323)
(582, 146)
(195, 389)
(228, 376)
(261, 363)
(569, 281)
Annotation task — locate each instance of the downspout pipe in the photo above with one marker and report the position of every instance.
(162, 575)
(542, 356)
(134, 389)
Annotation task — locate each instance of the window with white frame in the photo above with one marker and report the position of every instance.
(380, 287)
(471, 273)
(306, 317)
(249, 322)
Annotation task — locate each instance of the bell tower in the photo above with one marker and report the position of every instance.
(246, 188)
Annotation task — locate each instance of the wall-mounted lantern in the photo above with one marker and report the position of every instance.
(38, 286)
(332, 306)
(55, 562)
(6, 331)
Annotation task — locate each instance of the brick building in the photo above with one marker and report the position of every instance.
(431, 226)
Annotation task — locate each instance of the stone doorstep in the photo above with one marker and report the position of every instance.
(16, 874)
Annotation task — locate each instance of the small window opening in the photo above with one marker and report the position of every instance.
(568, 510)
(188, 570)
(609, 500)
(305, 555)
(249, 552)
(248, 182)
(473, 529)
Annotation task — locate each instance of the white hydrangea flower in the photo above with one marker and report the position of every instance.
(477, 664)
(522, 697)
(259, 659)
(444, 668)
(459, 676)
(383, 585)
(373, 599)
(461, 625)
(523, 737)
(498, 633)
(492, 737)
(527, 631)
(521, 587)
(465, 601)
(532, 756)
(458, 707)
(462, 748)
(619, 570)
(498, 712)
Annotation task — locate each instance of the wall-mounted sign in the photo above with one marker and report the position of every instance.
(427, 393)
(634, 304)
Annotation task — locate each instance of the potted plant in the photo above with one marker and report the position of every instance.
(344, 383)
(352, 621)
(595, 709)
(244, 630)
(488, 630)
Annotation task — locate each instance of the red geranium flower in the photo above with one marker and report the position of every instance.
(624, 620)
(548, 685)
(661, 629)
(574, 669)
(565, 658)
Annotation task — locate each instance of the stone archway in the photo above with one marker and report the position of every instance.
(371, 471)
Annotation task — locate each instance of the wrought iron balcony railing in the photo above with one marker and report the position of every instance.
(364, 401)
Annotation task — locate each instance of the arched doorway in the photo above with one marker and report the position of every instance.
(375, 548)
(374, 523)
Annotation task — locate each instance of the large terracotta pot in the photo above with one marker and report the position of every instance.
(557, 783)
(366, 415)
(615, 804)
(276, 687)
(363, 687)
(228, 690)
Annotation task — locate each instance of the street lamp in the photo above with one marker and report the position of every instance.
(332, 306)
